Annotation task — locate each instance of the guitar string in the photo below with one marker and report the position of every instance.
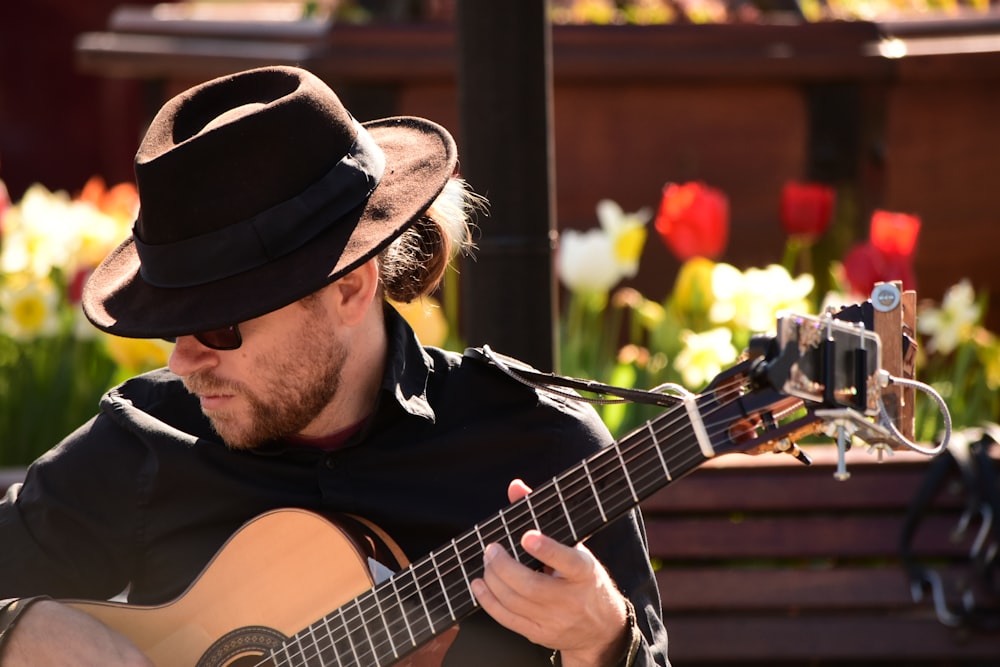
(631, 445)
(491, 535)
(438, 577)
(520, 514)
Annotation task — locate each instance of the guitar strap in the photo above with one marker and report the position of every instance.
(978, 606)
(548, 382)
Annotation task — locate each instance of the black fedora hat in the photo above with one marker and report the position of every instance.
(256, 189)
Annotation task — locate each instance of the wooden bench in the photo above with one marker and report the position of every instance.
(762, 560)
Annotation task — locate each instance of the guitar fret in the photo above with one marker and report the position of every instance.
(274, 655)
(368, 635)
(440, 580)
(531, 509)
(562, 504)
(465, 575)
(659, 452)
(385, 622)
(350, 640)
(330, 636)
(506, 530)
(300, 649)
(593, 490)
(406, 618)
(423, 602)
(628, 478)
(479, 535)
(315, 642)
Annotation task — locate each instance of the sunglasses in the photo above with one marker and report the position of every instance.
(226, 338)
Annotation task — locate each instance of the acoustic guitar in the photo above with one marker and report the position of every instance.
(816, 372)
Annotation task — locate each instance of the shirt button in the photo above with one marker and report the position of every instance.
(330, 462)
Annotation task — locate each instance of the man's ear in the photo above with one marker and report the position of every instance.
(353, 293)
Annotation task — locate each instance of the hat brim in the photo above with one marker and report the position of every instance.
(420, 158)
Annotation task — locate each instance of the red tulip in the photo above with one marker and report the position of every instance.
(806, 208)
(888, 254)
(865, 265)
(74, 291)
(4, 203)
(894, 233)
(693, 220)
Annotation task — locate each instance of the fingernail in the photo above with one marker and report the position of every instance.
(531, 540)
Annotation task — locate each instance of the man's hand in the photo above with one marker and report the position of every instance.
(573, 606)
(49, 633)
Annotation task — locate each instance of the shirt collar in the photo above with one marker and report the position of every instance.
(408, 367)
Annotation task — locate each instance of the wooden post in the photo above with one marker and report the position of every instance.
(895, 321)
(506, 146)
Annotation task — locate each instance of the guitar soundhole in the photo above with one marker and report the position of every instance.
(242, 647)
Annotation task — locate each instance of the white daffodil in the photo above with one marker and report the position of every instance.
(47, 230)
(953, 322)
(627, 232)
(35, 234)
(28, 307)
(586, 261)
(704, 355)
(753, 299)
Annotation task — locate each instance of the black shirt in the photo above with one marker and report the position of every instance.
(143, 495)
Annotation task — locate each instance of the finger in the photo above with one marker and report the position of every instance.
(517, 489)
(500, 591)
(573, 563)
(511, 582)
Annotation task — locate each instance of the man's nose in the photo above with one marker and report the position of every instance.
(189, 355)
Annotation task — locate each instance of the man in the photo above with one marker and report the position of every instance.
(273, 228)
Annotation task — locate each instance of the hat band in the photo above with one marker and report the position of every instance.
(279, 230)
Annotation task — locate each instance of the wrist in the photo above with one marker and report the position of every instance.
(619, 653)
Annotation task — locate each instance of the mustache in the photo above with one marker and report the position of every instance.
(205, 383)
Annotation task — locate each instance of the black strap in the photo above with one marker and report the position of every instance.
(527, 375)
(978, 596)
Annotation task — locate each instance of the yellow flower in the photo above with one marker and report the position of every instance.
(753, 299)
(988, 349)
(29, 307)
(627, 233)
(693, 292)
(704, 355)
(137, 355)
(425, 317)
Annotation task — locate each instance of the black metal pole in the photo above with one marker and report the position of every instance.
(506, 150)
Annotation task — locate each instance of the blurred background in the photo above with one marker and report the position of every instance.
(665, 176)
(887, 108)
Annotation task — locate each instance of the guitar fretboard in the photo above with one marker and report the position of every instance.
(397, 616)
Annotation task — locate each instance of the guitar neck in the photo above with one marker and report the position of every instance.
(402, 613)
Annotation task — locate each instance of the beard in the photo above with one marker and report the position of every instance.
(291, 387)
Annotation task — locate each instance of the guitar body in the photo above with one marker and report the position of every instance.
(280, 572)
